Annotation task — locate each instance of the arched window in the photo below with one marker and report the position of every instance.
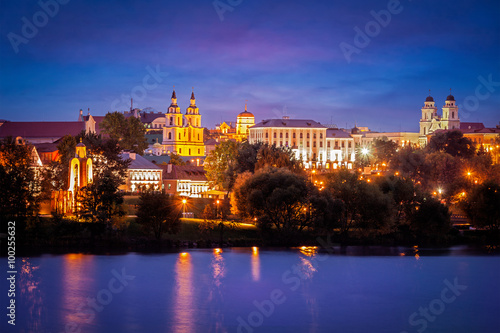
(169, 136)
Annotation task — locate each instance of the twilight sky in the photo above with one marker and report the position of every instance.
(283, 56)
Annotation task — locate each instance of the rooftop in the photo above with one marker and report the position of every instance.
(291, 123)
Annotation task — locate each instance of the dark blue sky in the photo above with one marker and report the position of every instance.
(282, 56)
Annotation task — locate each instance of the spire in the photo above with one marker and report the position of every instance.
(193, 99)
(80, 117)
(174, 99)
(246, 101)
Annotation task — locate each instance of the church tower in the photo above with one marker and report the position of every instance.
(183, 134)
(450, 120)
(429, 113)
(193, 113)
(244, 120)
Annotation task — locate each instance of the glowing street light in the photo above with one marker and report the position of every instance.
(364, 151)
(184, 201)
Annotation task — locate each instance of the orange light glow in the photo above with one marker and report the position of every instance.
(217, 250)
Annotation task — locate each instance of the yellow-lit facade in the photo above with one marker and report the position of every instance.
(183, 133)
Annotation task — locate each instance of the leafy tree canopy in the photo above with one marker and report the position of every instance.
(128, 132)
(453, 143)
(18, 186)
(158, 213)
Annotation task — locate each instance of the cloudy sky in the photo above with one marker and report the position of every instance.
(342, 62)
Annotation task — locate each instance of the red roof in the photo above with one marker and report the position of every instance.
(184, 172)
(41, 129)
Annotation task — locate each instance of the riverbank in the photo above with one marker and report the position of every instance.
(70, 237)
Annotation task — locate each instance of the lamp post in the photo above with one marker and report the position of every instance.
(217, 211)
(184, 201)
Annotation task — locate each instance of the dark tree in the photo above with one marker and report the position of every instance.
(364, 205)
(277, 198)
(101, 201)
(482, 206)
(128, 132)
(277, 157)
(383, 150)
(409, 162)
(453, 143)
(18, 187)
(430, 219)
(158, 213)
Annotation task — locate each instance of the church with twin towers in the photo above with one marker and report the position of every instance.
(182, 132)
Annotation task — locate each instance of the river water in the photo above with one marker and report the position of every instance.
(258, 290)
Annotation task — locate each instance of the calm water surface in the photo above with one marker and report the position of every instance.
(257, 290)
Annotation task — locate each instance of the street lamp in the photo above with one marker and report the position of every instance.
(184, 201)
(217, 212)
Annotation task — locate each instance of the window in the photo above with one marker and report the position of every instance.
(301, 135)
(293, 135)
(321, 135)
(314, 144)
(308, 135)
(198, 151)
(179, 136)
(343, 144)
(171, 120)
(286, 135)
(281, 135)
(267, 135)
(349, 144)
(169, 136)
(328, 144)
(453, 115)
(180, 150)
(189, 151)
(314, 136)
(275, 135)
(169, 186)
(307, 144)
(321, 144)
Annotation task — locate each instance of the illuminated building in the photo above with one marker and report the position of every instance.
(182, 133)
(312, 143)
(431, 121)
(244, 121)
(228, 130)
(185, 180)
(80, 174)
(142, 175)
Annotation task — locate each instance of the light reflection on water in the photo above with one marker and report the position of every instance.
(183, 299)
(30, 294)
(78, 270)
(206, 290)
(255, 264)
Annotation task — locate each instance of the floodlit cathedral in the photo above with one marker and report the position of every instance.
(431, 122)
(182, 133)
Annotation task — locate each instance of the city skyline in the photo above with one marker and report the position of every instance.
(369, 63)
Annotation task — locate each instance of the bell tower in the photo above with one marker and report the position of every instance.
(450, 120)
